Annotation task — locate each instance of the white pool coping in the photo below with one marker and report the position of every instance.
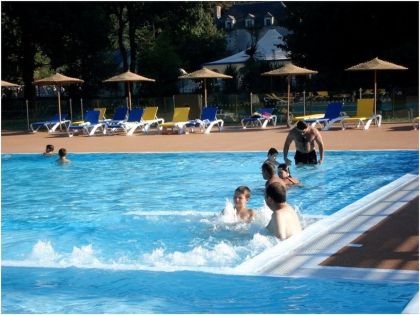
(301, 255)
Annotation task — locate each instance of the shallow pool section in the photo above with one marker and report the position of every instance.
(75, 290)
(111, 220)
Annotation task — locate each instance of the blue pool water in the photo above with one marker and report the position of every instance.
(101, 234)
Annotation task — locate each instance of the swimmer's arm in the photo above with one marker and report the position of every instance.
(320, 143)
(287, 143)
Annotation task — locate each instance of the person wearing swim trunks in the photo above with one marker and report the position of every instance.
(305, 138)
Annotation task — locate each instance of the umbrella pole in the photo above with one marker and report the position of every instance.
(81, 106)
(129, 94)
(27, 113)
(288, 101)
(374, 90)
(59, 106)
(304, 103)
(205, 92)
(71, 110)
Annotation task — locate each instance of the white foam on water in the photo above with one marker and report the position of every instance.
(143, 213)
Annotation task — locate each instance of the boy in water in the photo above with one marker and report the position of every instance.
(271, 157)
(62, 153)
(240, 199)
(269, 174)
(285, 176)
(49, 150)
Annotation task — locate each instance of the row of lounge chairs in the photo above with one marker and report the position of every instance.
(128, 122)
(142, 120)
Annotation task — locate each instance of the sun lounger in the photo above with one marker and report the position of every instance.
(120, 116)
(332, 115)
(364, 115)
(89, 126)
(149, 119)
(52, 124)
(133, 121)
(416, 123)
(305, 117)
(265, 116)
(207, 121)
(102, 111)
(179, 120)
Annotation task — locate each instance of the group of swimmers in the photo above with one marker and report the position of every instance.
(62, 153)
(284, 221)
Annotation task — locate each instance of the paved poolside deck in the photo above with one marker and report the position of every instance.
(389, 136)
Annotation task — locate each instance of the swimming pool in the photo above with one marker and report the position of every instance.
(109, 219)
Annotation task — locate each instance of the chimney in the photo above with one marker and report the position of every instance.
(218, 12)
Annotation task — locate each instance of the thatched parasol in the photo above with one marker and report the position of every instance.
(58, 80)
(8, 84)
(129, 77)
(375, 65)
(205, 74)
(289, 70)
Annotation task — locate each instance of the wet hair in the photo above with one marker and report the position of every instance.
(285, 167)
(243, 190)
(62, 152)
(277, 192)
(269, 168)
(49, 148)
(301, 125)
(272, 151)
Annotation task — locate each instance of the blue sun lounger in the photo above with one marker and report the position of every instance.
(120, 116)
(265, 116)
(332, 115)
(130, 125)
(89, 126)
(52, 124)
(207, 121)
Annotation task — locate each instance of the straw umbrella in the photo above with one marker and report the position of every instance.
(8, 84)
(128, 77)
(375, 65)
(205, 74)
(289, 70)
(58, 80)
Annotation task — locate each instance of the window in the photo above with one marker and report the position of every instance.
(249, 23)
(268, 21)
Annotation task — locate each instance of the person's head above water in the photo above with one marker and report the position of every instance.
(49, 148)
(241, 197)
(275, 193)
(62, 152)
(272, 152)
(267, 170)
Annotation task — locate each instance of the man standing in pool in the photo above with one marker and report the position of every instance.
(304, 137)
(284, 221)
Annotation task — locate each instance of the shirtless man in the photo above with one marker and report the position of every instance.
(269, 174)
(62, 156)
(240, 199)
(304, 137)
(284, 221)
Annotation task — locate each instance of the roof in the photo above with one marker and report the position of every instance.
(267, 49)
(258, 8)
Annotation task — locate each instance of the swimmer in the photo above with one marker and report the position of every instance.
(272, 156)
(240, 199)
(62, 153)
(284, 221)
(286, 177)
(269, 174)
(49, 150)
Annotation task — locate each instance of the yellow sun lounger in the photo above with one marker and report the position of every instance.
(148, 119)
(312, 116)
(101, 111)
(179, 120)
(364, 115)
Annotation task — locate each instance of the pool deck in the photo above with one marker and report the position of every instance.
(380, 242)
(388, 136)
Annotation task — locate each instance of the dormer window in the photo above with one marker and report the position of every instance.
(230, 22)
(268, 19)
(250, 21)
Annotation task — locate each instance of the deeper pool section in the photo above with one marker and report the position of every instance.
(148, 228)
